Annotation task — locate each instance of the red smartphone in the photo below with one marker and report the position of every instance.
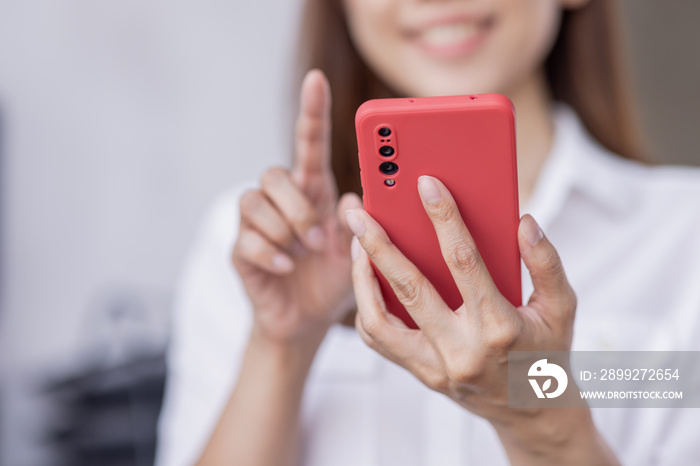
(468, 143)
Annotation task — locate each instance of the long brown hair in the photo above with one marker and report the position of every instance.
(585, 69)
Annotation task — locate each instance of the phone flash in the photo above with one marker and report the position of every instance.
(389, 182)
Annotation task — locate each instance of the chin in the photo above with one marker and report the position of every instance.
(423, 78)
(447, 85)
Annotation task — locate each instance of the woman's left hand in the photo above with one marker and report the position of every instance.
(463, 353)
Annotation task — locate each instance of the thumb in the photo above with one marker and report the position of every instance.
(347, 201)
(546, 270)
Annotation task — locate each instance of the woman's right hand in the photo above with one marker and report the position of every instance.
(293, 246)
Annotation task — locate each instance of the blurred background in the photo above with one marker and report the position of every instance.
(119, 123)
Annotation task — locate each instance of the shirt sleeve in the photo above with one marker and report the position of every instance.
(210, 327)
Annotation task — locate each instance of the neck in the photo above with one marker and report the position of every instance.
(534, 129)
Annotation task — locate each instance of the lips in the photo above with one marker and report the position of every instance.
(450, 37)
(449, 34)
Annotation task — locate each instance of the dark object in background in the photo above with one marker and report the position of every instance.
(105, 408)
(108, 416)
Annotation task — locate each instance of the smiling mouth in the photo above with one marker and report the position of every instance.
(451, 39)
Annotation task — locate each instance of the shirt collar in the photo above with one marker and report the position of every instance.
(577, 164)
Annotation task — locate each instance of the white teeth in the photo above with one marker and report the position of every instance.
(449, 34)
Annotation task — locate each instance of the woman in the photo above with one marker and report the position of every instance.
(242, 386)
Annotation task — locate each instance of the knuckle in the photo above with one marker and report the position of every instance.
(253, 248)
(281, 236)
(374, 244)
(302, 218)
(242, 247)
(445, 213)
(250, 201)
(502, 336)
(464, 372)
(434, 379)
(552, 263)
(370, 326)
(273, 177)
(409, 290)
(464, 257)
(372, 248)
(367, 332)
(368, 340)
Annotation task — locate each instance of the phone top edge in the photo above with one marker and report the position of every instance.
(442, 103)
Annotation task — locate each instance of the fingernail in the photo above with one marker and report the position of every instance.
(532, 230)
(429, 190)
(315, 237)
(282, 262)
(354, 248)
(357, 226)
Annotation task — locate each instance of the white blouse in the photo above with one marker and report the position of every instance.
(629, 238)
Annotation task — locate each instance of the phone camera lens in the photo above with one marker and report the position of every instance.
(384, 132)
(386, 151)
(388, 168)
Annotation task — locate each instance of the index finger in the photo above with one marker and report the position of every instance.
(313, 128)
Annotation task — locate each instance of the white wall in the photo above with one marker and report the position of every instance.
(122, 120)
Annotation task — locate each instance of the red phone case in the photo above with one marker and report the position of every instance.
(468, 142)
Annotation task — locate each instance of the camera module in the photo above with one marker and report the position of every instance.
(388, 168)
(384, 132)
(386, 151)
